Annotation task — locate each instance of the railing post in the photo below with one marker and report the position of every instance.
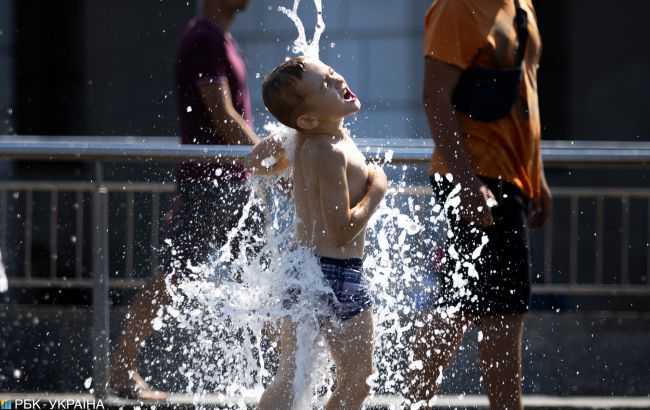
(101, 330)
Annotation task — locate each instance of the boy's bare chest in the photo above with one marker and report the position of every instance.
(356, 173)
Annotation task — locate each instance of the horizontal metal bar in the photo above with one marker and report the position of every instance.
(559, 192)
(560, 153)
(170, 187)
(72, 283)
(591, 290)
(538, 289)
(92, 149)
(150, 187)
(604, 192)
(84, 186)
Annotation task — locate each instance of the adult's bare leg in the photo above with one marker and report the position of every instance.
(279, 394)
(124, 376)
(434, 347)
(351, 344)
(500, 360)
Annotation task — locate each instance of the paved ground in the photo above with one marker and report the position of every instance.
(566, 354)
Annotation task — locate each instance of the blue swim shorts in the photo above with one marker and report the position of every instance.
(350, 286)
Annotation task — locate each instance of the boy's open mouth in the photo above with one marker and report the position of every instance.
(348, 95)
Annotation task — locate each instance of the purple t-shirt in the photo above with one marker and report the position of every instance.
(205, 55)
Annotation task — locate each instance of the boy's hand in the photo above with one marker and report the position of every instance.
(377, 178)
(477, 201)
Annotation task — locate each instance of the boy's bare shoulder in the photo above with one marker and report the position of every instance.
(322, 152)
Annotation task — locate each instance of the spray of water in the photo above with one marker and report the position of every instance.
(230, 302)
(301, 45)
(232, 305)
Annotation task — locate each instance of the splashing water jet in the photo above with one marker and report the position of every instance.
(300, 45)
(223, 317)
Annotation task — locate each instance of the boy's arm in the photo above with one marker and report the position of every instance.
(267, 157)
(343, 223)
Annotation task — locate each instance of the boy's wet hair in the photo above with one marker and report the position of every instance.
(279, 91)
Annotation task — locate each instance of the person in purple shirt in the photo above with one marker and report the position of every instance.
(213, 108)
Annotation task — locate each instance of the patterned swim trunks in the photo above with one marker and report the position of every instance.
(345, 277)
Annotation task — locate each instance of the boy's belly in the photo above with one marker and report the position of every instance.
(353, 249)
(323, 246)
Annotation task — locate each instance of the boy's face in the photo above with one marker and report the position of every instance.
(325, 93)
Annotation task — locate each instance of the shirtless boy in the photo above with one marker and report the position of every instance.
(335, 195)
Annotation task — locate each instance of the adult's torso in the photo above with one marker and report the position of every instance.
(207, 55)
(481, 34)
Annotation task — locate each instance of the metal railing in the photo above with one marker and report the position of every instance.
(96, 192)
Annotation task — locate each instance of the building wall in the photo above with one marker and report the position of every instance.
(609, 85)
(375, 44)
(592, 78)
(129, 65)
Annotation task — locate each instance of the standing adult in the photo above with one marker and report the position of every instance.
(213, 108)
(480, 98)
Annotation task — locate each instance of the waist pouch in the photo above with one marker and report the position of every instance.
(487, 95)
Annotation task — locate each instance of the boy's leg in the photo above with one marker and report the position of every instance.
(351, 345)
(500, 360)
(279, 394)
(434, 346)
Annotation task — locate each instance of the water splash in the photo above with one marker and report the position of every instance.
(233, 304)
(300, 45)
(230, 302)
